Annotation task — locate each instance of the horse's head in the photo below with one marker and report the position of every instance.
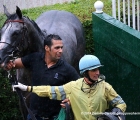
(12, 36)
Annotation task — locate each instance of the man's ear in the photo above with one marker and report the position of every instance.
(46, 47)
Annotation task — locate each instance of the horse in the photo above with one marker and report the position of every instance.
(20, 36)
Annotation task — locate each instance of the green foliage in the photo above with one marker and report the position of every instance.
(2, 19)
(8, 100)
(83, 10)
(88, 36)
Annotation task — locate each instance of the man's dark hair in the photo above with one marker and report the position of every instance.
(49, 38)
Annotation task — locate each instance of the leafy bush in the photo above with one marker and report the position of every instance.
(88, 36)
(8, 100)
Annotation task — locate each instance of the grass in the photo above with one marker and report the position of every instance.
(81, 8)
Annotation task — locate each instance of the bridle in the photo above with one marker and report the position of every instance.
(14, 50)
(17, 49)
(19, 21)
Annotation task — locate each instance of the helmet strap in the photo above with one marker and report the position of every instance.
(87, 76)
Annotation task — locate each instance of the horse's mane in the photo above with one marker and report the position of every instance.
(35, 25)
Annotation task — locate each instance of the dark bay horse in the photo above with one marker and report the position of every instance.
(21, 36)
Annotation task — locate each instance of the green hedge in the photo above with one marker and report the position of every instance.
(9, 105)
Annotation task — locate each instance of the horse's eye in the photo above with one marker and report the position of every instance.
(16, 33)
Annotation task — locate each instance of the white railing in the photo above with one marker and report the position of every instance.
(127, 11)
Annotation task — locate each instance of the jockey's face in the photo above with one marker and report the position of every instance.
(94, 74)
(55, 51)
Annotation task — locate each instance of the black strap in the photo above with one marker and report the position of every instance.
(14, 81)
(22, 99)
(69, 113)
(67, 108)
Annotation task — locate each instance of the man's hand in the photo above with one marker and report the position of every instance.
(21, 86)
(64, 101)
(9, 65)
(16, 64)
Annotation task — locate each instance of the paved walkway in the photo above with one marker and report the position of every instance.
(25, 4)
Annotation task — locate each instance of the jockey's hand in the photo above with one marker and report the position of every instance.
(9, 65)
(64, 101)
(21, 87)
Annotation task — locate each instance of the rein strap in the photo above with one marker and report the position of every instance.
(14, 81)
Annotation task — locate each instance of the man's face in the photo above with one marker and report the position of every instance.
(94, 74)
(56, 49)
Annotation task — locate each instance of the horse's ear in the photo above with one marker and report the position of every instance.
(19, 13)
(6, 11)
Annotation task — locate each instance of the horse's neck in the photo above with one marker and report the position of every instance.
(36, 43)
(36, 38)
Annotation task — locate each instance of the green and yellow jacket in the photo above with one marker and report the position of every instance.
(87, 102)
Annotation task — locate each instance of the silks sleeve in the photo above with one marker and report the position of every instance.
(114, 99)
(53, 92)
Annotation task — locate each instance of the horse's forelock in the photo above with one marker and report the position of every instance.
(12, 17)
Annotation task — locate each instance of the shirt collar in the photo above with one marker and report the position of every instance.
(59, 62)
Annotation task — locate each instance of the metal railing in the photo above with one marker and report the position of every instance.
(127, 11)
